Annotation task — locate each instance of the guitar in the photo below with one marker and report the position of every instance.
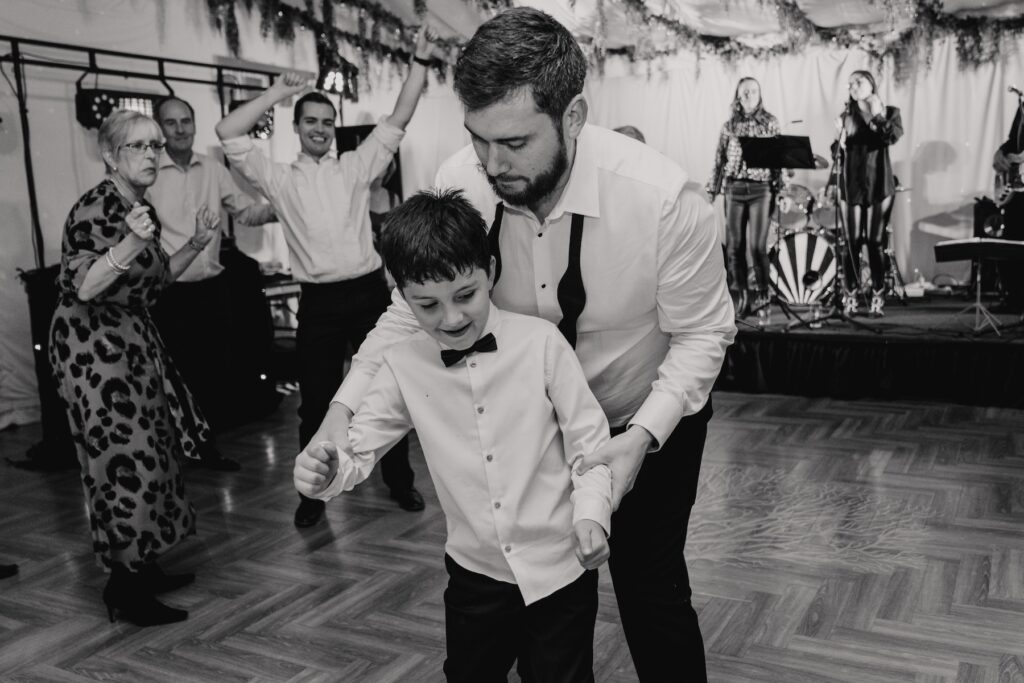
(1007, 185)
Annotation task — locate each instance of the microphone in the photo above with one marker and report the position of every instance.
(1015, 89)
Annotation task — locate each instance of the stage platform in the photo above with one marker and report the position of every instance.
(921, 350)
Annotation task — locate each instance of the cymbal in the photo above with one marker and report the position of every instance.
(900, 188)
(820, 162)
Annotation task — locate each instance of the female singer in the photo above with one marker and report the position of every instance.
(866, 128)
(748, 194)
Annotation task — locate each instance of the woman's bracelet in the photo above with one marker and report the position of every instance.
(195, 245)
(419, 60)
(112, 262)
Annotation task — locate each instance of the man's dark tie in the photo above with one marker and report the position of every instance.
(483, 345)
(572, 297)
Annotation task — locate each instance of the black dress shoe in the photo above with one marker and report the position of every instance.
(309, 512)
(8, 570)
(126, 594)
(409, 499)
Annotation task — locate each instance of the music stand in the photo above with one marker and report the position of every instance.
(781, 151)
(786, 152)
(976, 249)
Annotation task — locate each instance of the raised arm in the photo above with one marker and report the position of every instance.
(415, 81)
(241, 120)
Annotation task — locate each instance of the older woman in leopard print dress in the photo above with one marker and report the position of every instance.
(131, 416)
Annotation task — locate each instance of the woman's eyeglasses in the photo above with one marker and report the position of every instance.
(139, 148)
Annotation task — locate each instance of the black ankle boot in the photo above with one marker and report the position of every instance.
(154, 578)
(126, 593)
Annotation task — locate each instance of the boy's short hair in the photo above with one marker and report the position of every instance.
(435, 235)
(314, 96)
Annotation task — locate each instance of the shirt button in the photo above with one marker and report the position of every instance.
(472, 365)
(508, 549)
(543, 286)
(480, 409)
(490, 457)
(497, 506)
(540, 234)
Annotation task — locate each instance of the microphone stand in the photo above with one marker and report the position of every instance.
(842, 253)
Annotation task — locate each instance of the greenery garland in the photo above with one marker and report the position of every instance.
(373, 23)
(978, 39)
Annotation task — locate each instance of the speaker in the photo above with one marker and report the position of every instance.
(56, 451)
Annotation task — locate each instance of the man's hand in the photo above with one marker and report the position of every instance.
(288, 84)
(591, 544)
(624, 455)
(315, 468)
(785, 203)
(1001, 161)
(425, 43)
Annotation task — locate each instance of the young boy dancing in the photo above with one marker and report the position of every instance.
(503, 413)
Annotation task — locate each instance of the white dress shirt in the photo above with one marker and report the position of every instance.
(500, 432)
(179, 193)
(323, 206)
(658, 317)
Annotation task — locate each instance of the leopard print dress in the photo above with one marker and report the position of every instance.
(131, 416)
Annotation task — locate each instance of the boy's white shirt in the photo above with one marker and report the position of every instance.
(500, 432)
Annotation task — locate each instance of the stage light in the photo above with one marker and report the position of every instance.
(93, 106)
(264, 126)
(337, 75)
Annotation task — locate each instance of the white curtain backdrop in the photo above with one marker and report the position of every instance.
(953, 120)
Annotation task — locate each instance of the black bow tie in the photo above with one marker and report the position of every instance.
(482, 345)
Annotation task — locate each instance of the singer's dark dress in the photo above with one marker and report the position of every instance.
(131, 416)
(868, 169)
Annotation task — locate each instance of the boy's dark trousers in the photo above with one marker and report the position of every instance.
(652, 586)
(488, 628)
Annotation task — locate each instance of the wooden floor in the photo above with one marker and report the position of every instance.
(831, 541)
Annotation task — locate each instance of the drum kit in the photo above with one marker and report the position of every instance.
(804, 266)
(802, 262)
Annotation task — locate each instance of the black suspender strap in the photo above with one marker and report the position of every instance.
(572, 297)
(492, 237)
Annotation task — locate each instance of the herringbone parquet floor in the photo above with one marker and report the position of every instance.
(831, 541)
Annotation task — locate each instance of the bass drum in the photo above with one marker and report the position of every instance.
(802, 267)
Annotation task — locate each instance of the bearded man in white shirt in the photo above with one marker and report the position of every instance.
(323, 205)
(570, 202)
(193, 312)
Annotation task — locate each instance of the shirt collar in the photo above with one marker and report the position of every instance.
(580, 194)
(492, 326)
(304, 158)
(167, 162)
